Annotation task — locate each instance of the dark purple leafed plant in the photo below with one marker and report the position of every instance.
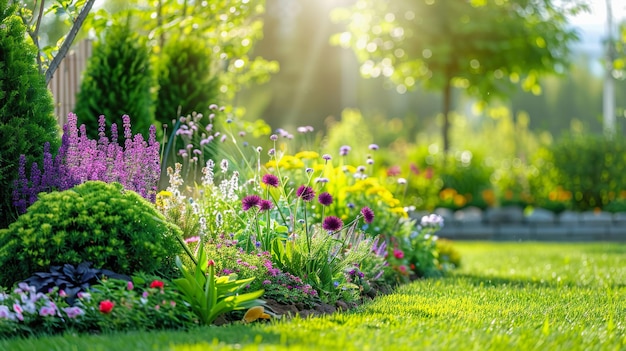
(135, 165)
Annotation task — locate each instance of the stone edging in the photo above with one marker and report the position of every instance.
(512, 223)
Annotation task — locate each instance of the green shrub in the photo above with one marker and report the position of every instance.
(467, 175)
(185, 80)
(96, 222)
(590, 168)
(117, 82)
(27, 118)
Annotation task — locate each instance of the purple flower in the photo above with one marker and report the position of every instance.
(332, 223)
(325, 199)
(327, 157)
(306, 193)
(343, 151)
(270, 179)
(368, 214)
(265, 205)
(73, 312)
(250, 201)
(373, 147)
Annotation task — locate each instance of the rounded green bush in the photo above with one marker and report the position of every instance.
(113, 228)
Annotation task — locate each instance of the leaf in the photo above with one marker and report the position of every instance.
(546, 327)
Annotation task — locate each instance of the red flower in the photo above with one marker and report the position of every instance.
(156, 284)
(106, 306)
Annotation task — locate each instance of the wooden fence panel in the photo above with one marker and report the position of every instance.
(65, 83)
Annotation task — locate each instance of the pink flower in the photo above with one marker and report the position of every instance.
(130, 285)
(398, 253)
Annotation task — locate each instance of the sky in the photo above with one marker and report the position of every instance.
(592, 25)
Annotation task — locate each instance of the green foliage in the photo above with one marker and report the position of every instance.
(469, 175)
(591, 168)
(136, 305)
(96, 222)
(117, 82)
(145, 304)
(485, 47)
(279, 286)
(210, 296)
(26, 109)
(229, 29)
(186, 81)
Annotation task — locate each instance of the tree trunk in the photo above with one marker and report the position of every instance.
(69, 39)
(445, 129)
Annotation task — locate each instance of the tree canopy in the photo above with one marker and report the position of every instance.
(486, 47)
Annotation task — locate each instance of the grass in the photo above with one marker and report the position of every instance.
(507, 296)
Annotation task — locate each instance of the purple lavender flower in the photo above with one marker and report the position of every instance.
(306, 193)
(325, 199)
(270, 180)
(332, 223)
(368, 214)
(250, 201)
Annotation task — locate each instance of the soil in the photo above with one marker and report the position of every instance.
(287, 311)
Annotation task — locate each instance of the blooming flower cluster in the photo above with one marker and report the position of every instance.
(135, 165)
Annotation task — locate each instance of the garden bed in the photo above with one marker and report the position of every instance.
(505, 296)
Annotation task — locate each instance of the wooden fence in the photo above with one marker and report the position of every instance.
(65, 83)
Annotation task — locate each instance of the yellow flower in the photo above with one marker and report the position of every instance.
(162, 197)
(401, 211)
(307, 155)
(286, 162)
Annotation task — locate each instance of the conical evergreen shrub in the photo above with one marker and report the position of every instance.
(185, 80)
(117, 82)
(27, 119)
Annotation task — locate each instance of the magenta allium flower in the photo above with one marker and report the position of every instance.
(368, 214)
(270, 179)
(306, 193)
(325, 199)
(250, 201)
(332, 223)
(265, 205)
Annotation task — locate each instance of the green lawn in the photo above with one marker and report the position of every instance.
(507, 296)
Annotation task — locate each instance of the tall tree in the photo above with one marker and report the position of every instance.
(26, 108)
(485, 47)
(117, 82)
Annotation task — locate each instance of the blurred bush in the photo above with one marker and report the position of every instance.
(586, 172)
